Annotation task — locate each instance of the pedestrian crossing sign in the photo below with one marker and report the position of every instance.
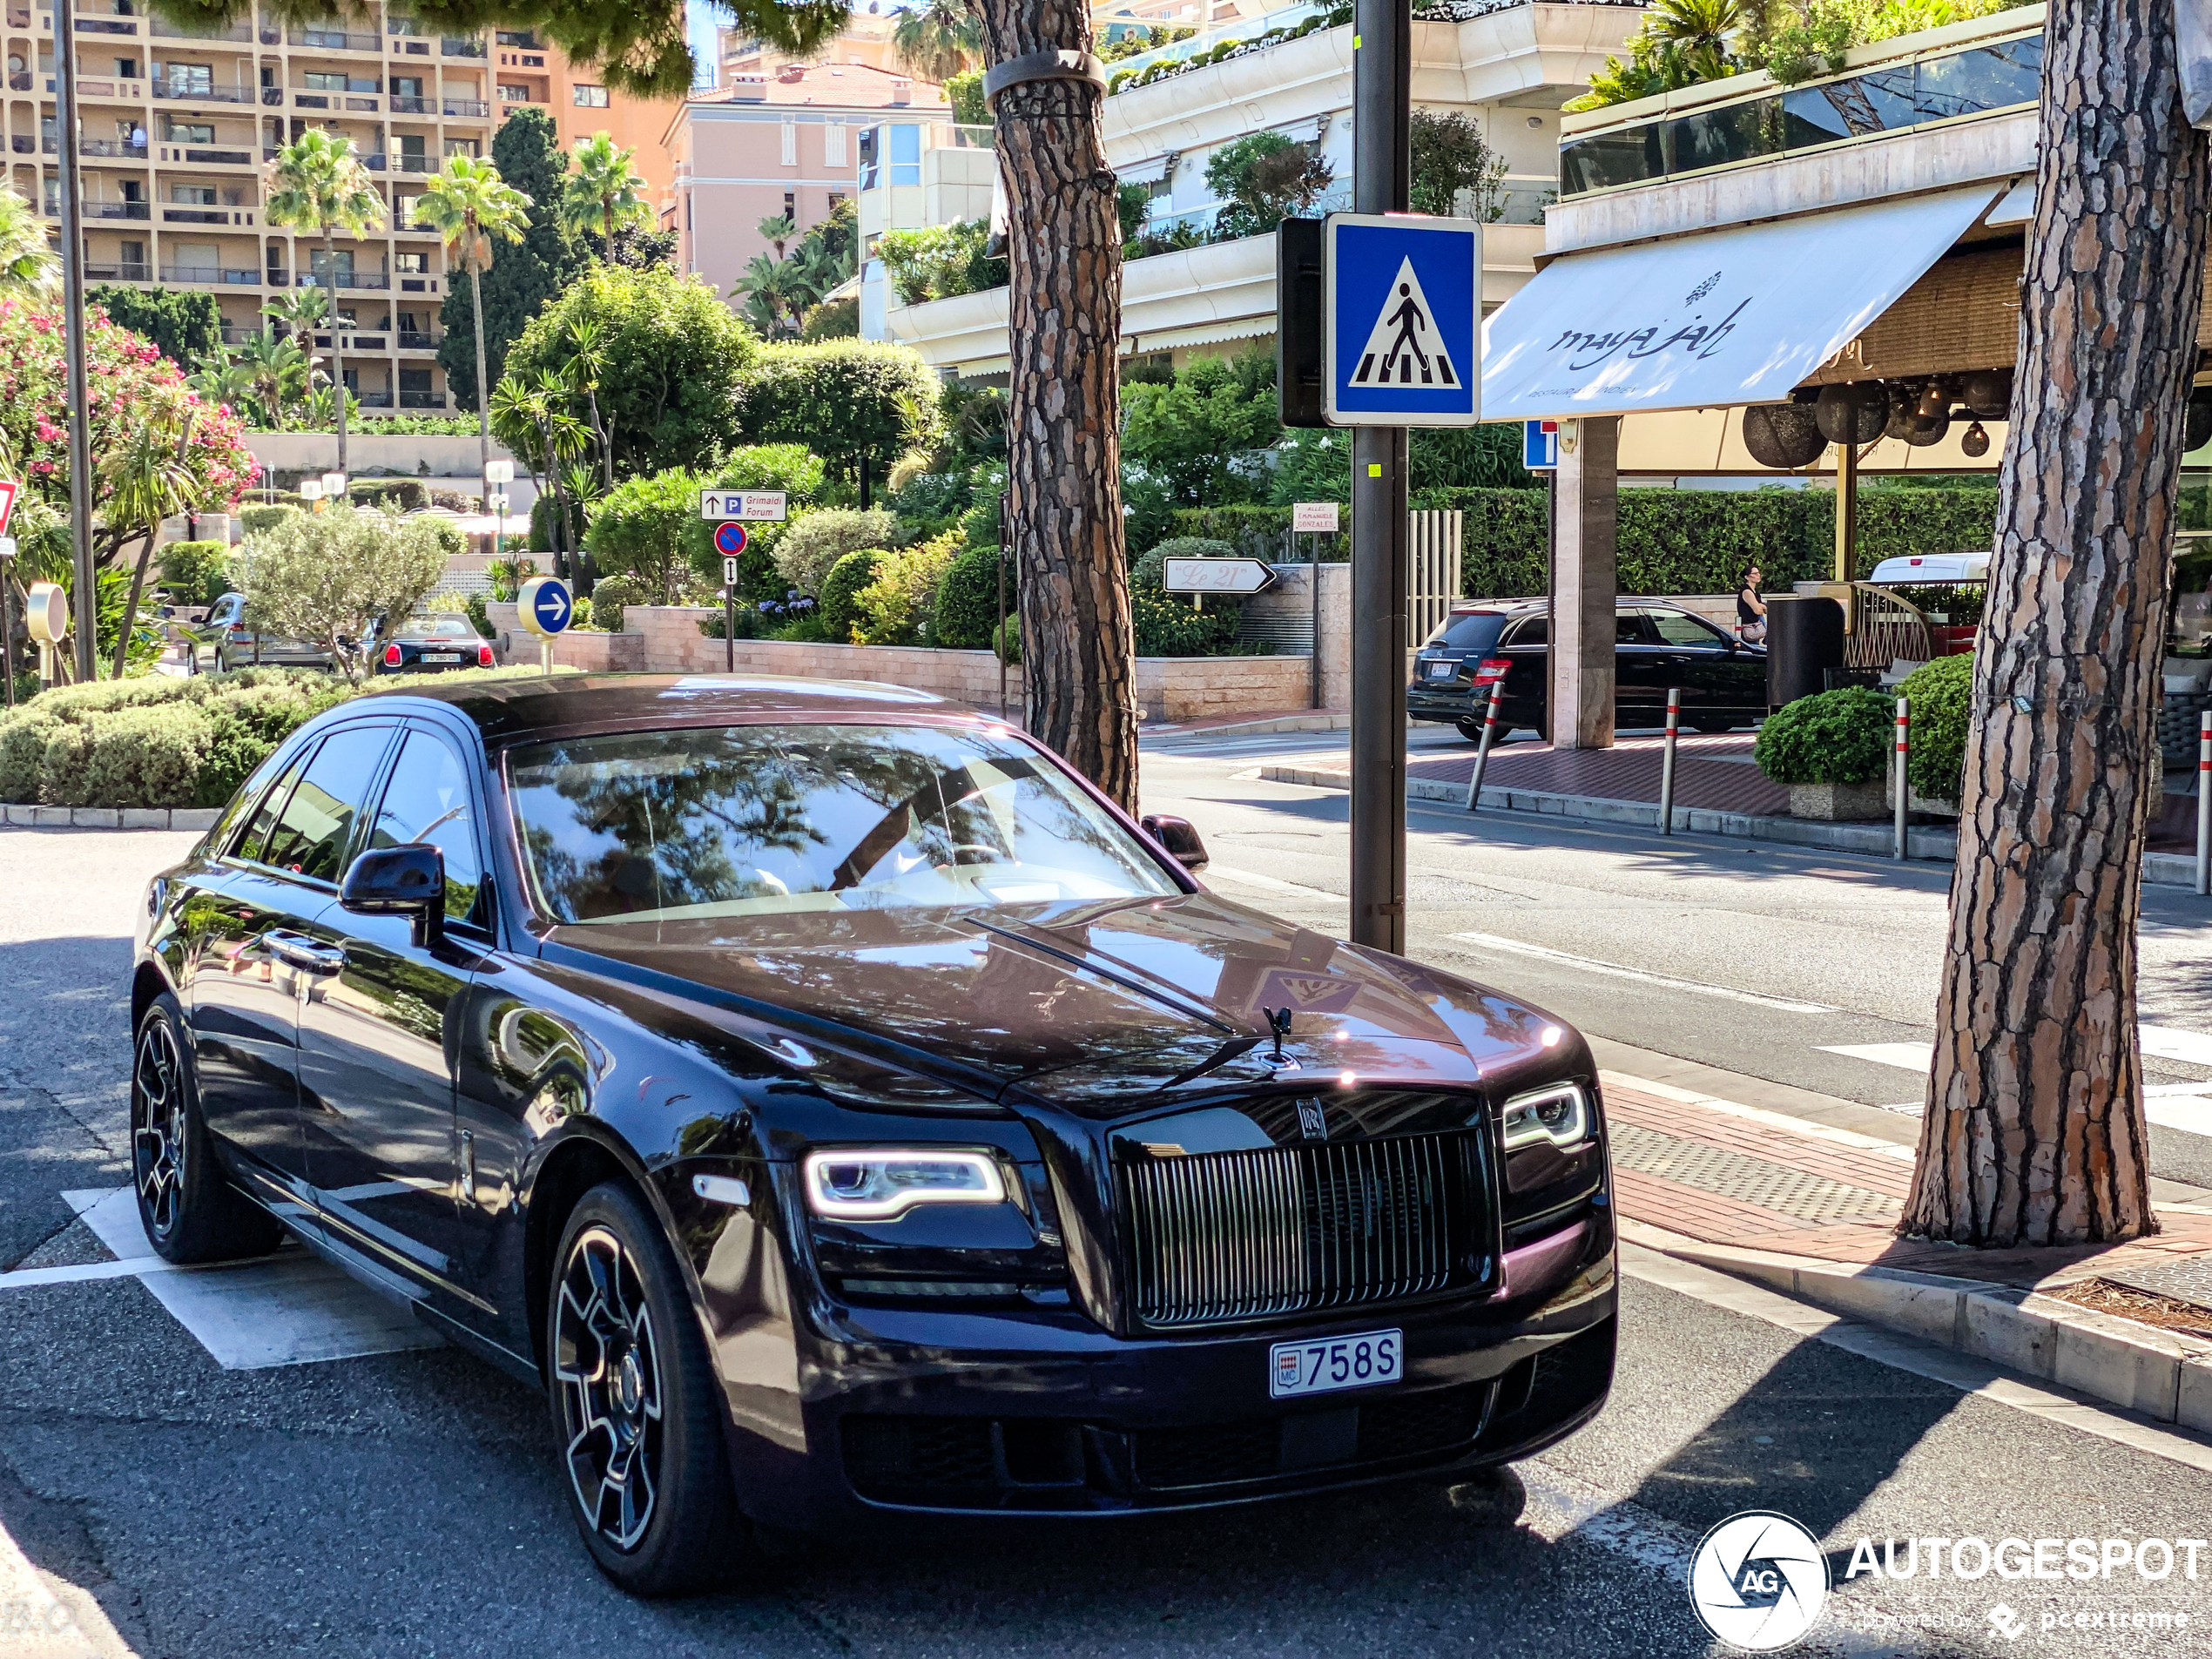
(1404, 315)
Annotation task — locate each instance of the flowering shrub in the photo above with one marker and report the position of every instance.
(128, 384)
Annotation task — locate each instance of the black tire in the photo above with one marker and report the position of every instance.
(192, 1212)
(632, 1394)
(1471, 730)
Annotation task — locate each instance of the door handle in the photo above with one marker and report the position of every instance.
(304, 954)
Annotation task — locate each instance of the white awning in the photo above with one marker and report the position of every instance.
(1708, 322)
(1148, 172)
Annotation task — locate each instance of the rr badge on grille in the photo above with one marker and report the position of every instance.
(1313, 1123)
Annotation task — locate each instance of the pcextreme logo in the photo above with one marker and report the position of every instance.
(1758, 1580)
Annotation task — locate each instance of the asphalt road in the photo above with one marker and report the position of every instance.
(1753, 957)
(406, 1503)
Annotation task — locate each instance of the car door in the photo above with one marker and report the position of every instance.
(1641, 674)
(1699, 658)
(379, 1034)
(251, 957)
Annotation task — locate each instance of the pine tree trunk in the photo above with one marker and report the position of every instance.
(337, 357)
(484, 393)
(2034, 1129)
(1062, 420)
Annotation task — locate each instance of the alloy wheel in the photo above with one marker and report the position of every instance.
(606, 1362)
(158, 1125)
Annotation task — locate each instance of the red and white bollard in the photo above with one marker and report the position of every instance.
(2204, 802)
(1903, 790)
(1667, 762)
(1489, 736)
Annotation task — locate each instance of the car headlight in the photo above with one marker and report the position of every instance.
(1560, 1114)
(881, 1185)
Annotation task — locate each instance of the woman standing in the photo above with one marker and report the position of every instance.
(1750, 610)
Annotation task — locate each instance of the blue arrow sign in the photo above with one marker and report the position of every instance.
(550, 605)
(1403, 321)
(730, 539)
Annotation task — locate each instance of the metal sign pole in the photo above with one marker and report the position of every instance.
(2204, 802)
(1904, 791)
(1482, 749)
(1382, 181)
(1313, 566)
(80, 440)
(1667, 762)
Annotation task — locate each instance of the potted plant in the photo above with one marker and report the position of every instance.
(1833, 752)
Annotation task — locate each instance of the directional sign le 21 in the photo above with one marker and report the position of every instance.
(1403, 321)
(1239, 577)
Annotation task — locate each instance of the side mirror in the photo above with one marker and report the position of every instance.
(406, 880)
(1179, 837)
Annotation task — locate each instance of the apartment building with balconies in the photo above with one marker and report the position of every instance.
(529, 69)
(176, 127)
(1509, 65)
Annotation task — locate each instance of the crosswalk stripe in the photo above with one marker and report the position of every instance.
(2186, 1109)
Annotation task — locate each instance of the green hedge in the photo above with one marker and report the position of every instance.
(967, 600)
(840, 589)
(1840, 736)
(1941, 698)
(160, 741)
(1698, 541)
(1255, 532)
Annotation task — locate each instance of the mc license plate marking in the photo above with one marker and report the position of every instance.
(1323, 1367)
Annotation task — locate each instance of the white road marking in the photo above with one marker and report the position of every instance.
(1272, 884)
(1614, 970)
(2186, 1107)
(37, 1623)
(282, 1310)
(1804, 1126)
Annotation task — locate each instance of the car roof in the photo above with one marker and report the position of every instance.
(1522, 607)
(526, 705)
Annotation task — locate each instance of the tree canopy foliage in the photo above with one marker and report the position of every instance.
(843, 399)
(185, 326)
(524, 277)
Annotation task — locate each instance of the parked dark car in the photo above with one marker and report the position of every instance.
(1657, 646)
(428, 645)
(221, 641)
(840, 1107)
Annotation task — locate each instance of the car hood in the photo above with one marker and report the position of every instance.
(1094, 1007)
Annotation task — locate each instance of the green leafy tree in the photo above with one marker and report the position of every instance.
(187, 327)
(675, 357)
(29, 265)
(327, 577)
(813, 544)
(473, 209)
(1264, 178)
(147, 481)
(938, 39)
(317, 185)
(1191, 433)
(606, 193)
(1449, 159)
(844, 398)
(637, 529)
(965, 92)
(526, 275)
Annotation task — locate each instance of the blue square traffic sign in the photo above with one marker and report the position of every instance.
(1405, 321)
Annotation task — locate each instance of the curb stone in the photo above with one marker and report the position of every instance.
(128, 817)
(2157, 1373)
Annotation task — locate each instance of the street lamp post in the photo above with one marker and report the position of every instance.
(80, 438)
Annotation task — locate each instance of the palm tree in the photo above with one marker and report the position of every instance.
(298, 311)
(28, 262)
(939, 39)
(533, 420)
(318, 184)
(279, 370)
(471, 207)
(147, 481)
(1699, 30)
(604, 192)
(222, 377)
(588, 358)
(777, 230)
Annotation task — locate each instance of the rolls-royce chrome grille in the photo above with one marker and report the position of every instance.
(1226, 1236)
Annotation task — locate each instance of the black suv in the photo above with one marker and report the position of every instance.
(1657, 645)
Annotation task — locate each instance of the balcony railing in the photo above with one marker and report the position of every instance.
(222, 275)
(106, 25)
(217, 158)
(188, 93)
(411, 340)
(365, 342)
(1775, 121)
(119, 210)
(122, 149)
(412, 164)
(233, 335)
(194, 216)
(412, 103)
(162, 28)
(335, 40)
(120, 271)
(455, 46)
(373, 399)
(467, 106)
(423, 400)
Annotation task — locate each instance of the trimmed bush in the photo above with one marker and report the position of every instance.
(264, 518)
(1840, 736)
(1169, 625)
(154, 753)
(192, 572)
(841, 588)
(812, 543)
(967, 608)
(894, 609)
(1149, 570)
(611, 595)
(1941, 695)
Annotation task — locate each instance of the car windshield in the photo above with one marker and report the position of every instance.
(1468, 631)
(435, 628)
(764, 820)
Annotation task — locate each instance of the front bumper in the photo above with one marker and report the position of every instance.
(1042, 1413)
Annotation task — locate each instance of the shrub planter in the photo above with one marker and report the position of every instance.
(1839, 803)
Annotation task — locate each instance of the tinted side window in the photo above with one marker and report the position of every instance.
(252, 847)
(428, 799)
(317, 822)
(226, 826)
(1627, 628)
(1676, 628)
(1534, 631)
(1471, 631)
